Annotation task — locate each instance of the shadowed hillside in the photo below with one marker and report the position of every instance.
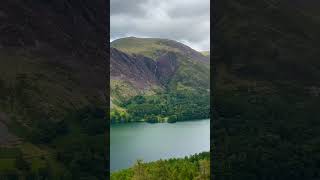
(52, 88)
(266, 56)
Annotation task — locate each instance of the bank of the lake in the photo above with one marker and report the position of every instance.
(190, 167)
(151, 142)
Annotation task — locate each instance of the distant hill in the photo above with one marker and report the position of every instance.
(150, 67)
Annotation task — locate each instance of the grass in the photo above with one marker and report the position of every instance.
(149, 47)
(205, 53)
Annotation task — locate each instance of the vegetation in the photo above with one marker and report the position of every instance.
(164, 107)
(48, 137)
(71, 149)
(266, 90)
(196, 167)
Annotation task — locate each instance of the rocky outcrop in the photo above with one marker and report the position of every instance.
(167, 65)
(142, 72)
(137, 69)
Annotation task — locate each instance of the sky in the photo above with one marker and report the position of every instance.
(186, 21)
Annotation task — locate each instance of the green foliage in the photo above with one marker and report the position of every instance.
(119, 116)
(71, 148)
(196, 167)
(171, 107)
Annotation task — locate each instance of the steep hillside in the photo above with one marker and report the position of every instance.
(149, 75)
(53, 60)
(266, 56)
(131, 75)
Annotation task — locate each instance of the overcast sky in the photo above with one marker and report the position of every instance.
(187, 21)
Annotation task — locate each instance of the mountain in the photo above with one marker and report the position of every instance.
(149, 68)
(53, 58)
(266, 88)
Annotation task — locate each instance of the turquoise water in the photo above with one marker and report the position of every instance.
(150, 142)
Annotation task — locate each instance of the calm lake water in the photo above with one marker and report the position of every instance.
(150, 142)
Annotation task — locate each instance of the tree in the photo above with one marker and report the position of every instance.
(204, 170)
(140, 172)
(161, 171)
(172, 119)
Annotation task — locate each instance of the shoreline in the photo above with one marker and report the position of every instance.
(128, 122)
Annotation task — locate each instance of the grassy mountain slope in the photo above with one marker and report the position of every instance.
(266, 90)
(154, 47)
(159, 79)
(51, 92)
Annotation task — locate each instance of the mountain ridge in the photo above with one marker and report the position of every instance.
(159, 45)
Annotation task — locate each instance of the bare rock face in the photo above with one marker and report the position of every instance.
(167, 65)
(136, 69)
(142, 72)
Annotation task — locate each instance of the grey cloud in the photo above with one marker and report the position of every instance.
(133, 7)
(186, 21)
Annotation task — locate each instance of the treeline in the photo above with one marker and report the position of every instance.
(196, 167)
(164, 107)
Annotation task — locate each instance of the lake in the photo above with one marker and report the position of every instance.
(151, 142)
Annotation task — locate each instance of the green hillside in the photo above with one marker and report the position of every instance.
(181, 82)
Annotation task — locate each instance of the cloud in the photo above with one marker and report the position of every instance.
(133, 7)
(187, 21)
